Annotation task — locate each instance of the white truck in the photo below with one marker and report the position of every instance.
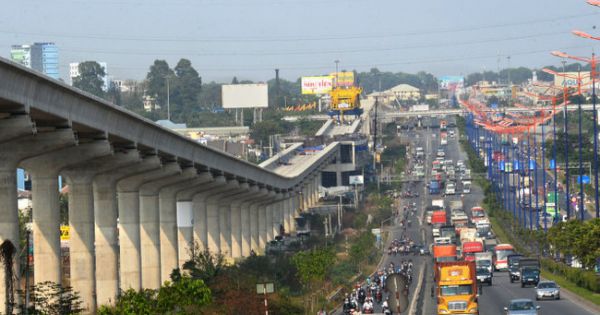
(456, 205)
(450, 188)
(484, 260)
(438, 203)
(466, 187)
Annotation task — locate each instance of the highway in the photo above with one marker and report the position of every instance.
(497, 296)
(493, 298)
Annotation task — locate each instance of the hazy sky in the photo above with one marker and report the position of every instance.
(250, 38)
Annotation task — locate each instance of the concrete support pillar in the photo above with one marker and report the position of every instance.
(230, 218)
(106, 216)
(254, 232)
(287, 209)
(200, 194)
(309, 193)
(317, 182)
(44, 170)
(150, 226)
(81, 222)
(247, 221)
(169, 239)
(269, 221)
(262, 222)
(20, 148)
(214, 218)
(187, 216)
(262, 226)
(129, 222)
(225, 230)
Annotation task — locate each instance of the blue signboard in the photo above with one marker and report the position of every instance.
(501, 165)
(516, 165)
(552, 164)
(531, 164)
(584, 178)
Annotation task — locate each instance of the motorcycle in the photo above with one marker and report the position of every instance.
(378, 296)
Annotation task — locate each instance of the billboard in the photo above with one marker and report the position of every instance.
(245, 95)
(317, 85)
(451, 82)
(356, 180)
(345, 78)
(570, 79)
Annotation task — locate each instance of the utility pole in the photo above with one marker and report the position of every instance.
(277, 89)
(168, 100)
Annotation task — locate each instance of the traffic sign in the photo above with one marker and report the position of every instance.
(584, 178)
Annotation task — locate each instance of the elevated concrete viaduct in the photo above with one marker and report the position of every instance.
(139, 194)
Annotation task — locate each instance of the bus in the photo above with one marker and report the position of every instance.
(501, 252)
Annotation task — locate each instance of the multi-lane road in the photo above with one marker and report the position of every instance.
(497, 296)
(493, 298)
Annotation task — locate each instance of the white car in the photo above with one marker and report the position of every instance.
(450, 189)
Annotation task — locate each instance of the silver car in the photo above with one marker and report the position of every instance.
(522, 307)
(547, 290)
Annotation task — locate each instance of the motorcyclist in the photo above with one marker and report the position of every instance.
(362, 295)
(368, 307)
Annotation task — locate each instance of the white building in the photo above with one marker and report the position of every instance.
(74, 72)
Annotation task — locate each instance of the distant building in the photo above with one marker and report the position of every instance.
(21, 54)
(150, 103)
(44, 58)
(74, 72)
(124, 85)
(405, 92)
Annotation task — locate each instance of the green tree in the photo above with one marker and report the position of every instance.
(204, 264)
(185, 89)
(113, 94)
(90, 78)
(49, 298)
(185, 296)
(157, 81)
(313, 265)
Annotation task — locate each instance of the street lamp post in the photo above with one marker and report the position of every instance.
(593, 62)
(581, 203)
(535, 181)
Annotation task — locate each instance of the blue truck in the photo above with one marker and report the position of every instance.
(434, 187)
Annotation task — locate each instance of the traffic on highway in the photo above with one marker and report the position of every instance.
(443, 244)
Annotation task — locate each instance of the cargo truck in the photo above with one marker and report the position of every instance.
(438, 218)
(434, 187)
(484, 260)
(470, 248)
(456, 205)
(448, 231)
(456, 288)
(444, 253)
(530, 271)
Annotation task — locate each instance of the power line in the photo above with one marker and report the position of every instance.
(312, 51)
(296, 39)
(356, 66)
